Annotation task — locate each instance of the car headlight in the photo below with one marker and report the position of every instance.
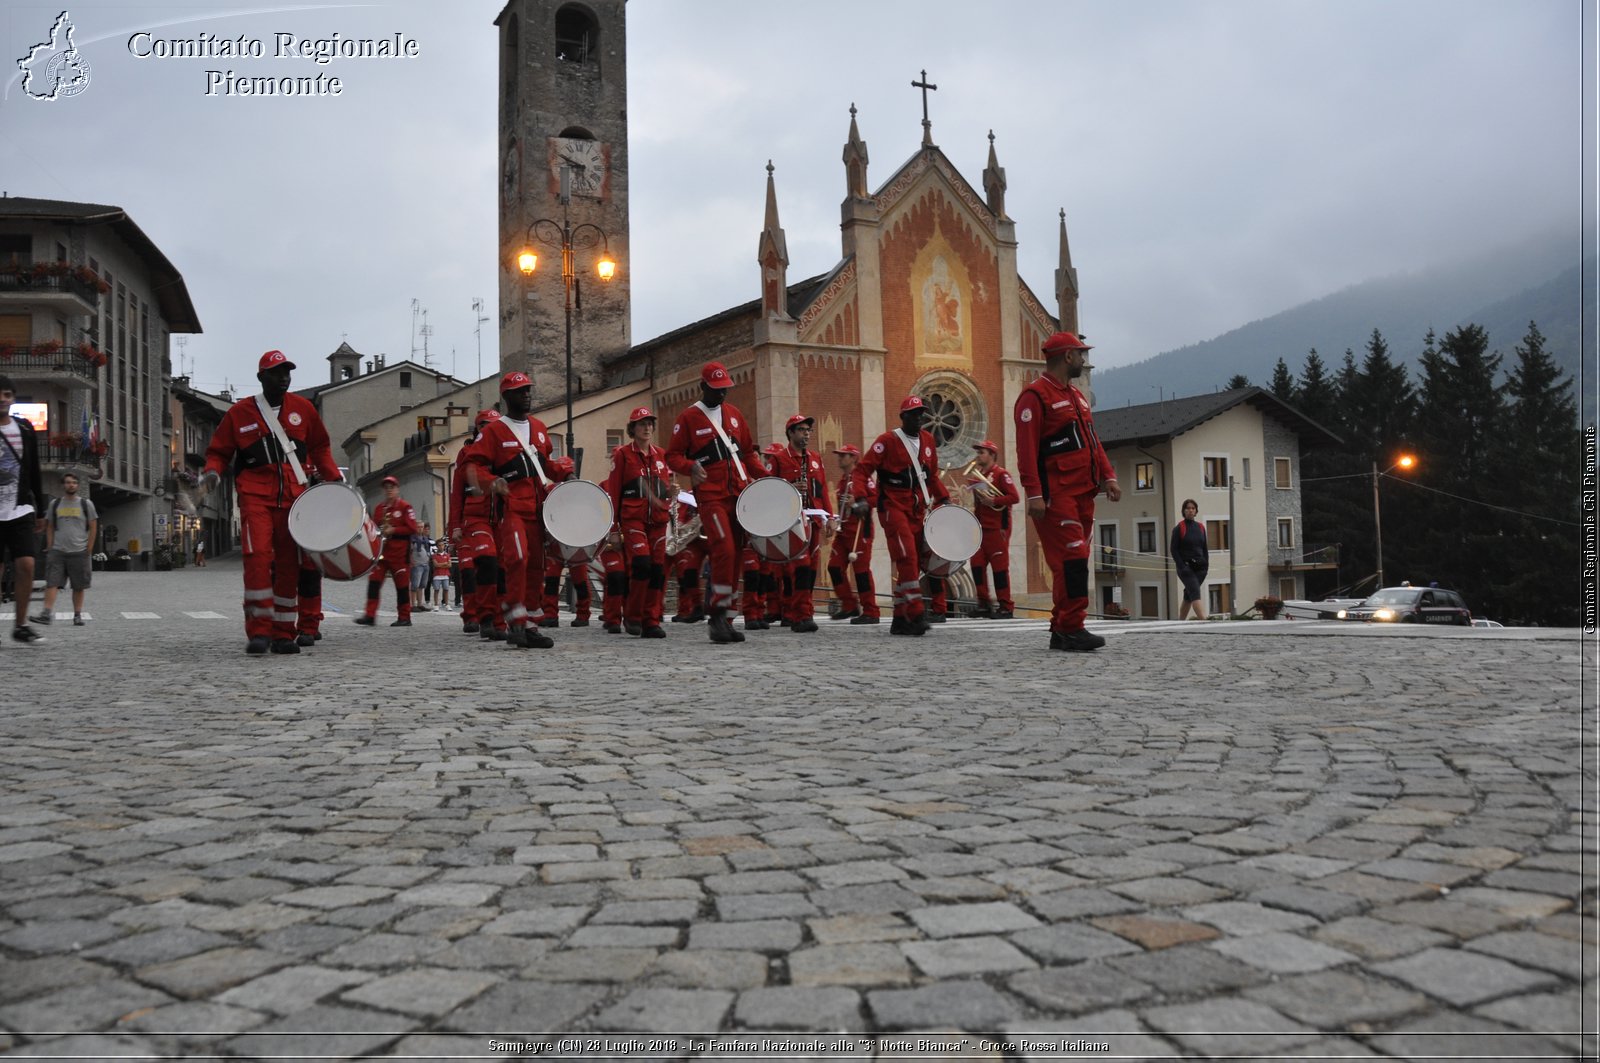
(1383, 614)
(1342, 614)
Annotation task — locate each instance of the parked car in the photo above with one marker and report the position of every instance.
(1411, 605)
(1479, 621)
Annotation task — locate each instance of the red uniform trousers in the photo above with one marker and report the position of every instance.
(854, 587)
(724, 541)
(480, 573)
(1064, 534)
(994, 552)
(394, 563)
(798, 603)
(760, 584)
(616, 596)
(271, 570)
(645, 544)
(687, 565)
(521, 546)
(310, 611)
(578, 574)
(902, 534)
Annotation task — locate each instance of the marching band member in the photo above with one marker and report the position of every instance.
(578, 575)
(397, 523)
(906, 462)
(615, 568)
(248, 442)
(761, 600)
(711, 443)
(799, 465)
(510, 460)
(686, 567)
(1062, 467)
(472, 511)
(641, 490)
(850, 560)
(994, 492)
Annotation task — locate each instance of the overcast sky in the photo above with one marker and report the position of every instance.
(1218, 160)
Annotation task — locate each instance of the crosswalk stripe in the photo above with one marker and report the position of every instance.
(206, 616)
(141, 616)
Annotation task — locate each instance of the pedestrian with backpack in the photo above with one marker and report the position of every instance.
(70, 526)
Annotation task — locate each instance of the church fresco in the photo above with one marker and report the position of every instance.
(941, 297)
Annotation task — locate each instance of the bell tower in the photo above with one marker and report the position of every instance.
(563, 142)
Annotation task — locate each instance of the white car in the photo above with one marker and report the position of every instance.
(1479, 621)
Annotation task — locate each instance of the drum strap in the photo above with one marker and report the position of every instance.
(716, 422)
(283, 440)
(916, 466)
(533, 458)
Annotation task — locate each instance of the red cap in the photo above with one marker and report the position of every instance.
(273, 359)
(715, 375)
(514, 382)
(848, 448)
(563, 465)
(798, 419)
(641, 414)
(986, 445)
(387, 480)
(775, 448)
(485, 416)
(1062, 342)
(912, 403)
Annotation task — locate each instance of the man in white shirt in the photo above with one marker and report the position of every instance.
(21, 499)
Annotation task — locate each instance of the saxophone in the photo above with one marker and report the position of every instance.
(680, 533)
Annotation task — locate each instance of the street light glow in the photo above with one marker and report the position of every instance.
(606, 268)
(1406, 461)
(527, 262)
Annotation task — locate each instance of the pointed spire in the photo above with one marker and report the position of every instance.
(994, 182)
(772, 253)
(855, 161)
(1066, 283)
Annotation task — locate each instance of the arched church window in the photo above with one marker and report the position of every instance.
(577, 35)
(957, 418)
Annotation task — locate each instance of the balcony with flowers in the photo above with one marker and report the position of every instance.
(72, 364)
(54, 285)
(71, 452)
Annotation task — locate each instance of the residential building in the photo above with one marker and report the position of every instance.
(1237, 454)
(362, 389)
(215, 518)
(88, 304)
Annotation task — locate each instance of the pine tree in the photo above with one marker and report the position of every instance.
(1236, 381)
(1326, 472)
(1282, 385)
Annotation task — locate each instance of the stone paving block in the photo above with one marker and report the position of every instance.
(950, 920)
(1458, 920)
(211, 972)
(820, 1008)
(1242, 918)
(1155, 932)
(82, 1007)
(710, 969)
(1515, 903)
(382, 950)
(1232, 1027)
(521, 1005)
(960, 1005)
(667, 1011)
(585, 871)
(332, 897)
(755, 935)
(1299, 865)
(1120, 1030)
(845, 929)
(966, 956)
(1188, 969)
(1079, 988)
(28, 978)
(856, 873)
(958, 888)
(756, 882)
(1320, 903)
(57, 936)
(1337, 1000)
(335, 1031)
(1167, 892)
(1560, 1016)
(449, 894)
(764, 906)
(1530, 949)
(423, 991)
(1081, 902)
(1463, 978)
(642, 913)
(1375, 939)
(1454, 1034)
(195, 1022)
(591, 965)
(550, 854)
(874, 898)
(538, 922)
(256, 917)
(617, 936)
(1070, 943)
(1282, 952)
(862, 964)
(157, 946)
(1428, 872)
(444, 922)
(1556, 883)
(292, 989)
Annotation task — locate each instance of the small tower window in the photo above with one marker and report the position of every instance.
(577, 35)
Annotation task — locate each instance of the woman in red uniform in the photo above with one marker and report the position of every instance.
(641, 490)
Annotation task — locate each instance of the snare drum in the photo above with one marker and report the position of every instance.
(330, 523)
(953, 536)
(769, 512)
(577, 516)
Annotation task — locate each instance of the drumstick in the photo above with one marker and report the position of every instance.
(855, 540)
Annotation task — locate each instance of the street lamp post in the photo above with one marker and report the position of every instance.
(1405, 462)
(569, 239)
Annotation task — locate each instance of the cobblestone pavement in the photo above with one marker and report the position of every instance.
(1255, 838)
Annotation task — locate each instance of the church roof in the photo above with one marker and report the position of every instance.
(1153, 422)
(800, 296)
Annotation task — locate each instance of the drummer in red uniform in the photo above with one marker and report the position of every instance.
(906, 463)
(511, 461)
(686, 568)
(711, 443)
(800, 465)
(397, 523)
(562, 469)
(850, 560)
(641, 490)
(1063, 467)
(994, 492)
(762, 600)
(472, 511)
(268, 476)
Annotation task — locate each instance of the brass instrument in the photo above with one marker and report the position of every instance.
(680, 533)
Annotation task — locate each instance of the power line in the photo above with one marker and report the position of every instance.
(1489, 505)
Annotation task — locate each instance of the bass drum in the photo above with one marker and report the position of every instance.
(577, 517)
(330, 523)
(769, 512)
(953, 536)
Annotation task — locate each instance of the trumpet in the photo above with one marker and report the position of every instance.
(680, 533)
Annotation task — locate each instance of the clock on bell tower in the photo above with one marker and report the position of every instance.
(563, 112)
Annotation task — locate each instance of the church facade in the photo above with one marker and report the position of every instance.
(925, 299)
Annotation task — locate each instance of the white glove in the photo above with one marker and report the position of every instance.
(209, 481)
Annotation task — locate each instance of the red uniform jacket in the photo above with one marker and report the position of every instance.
(638, 484)
(695, 442)
(897, 480)
(1057, 449)
(990, 518)
(813, 485)
(261, 469)
(497, 452)
(467, 503)
(402, 521)
(847, 518)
